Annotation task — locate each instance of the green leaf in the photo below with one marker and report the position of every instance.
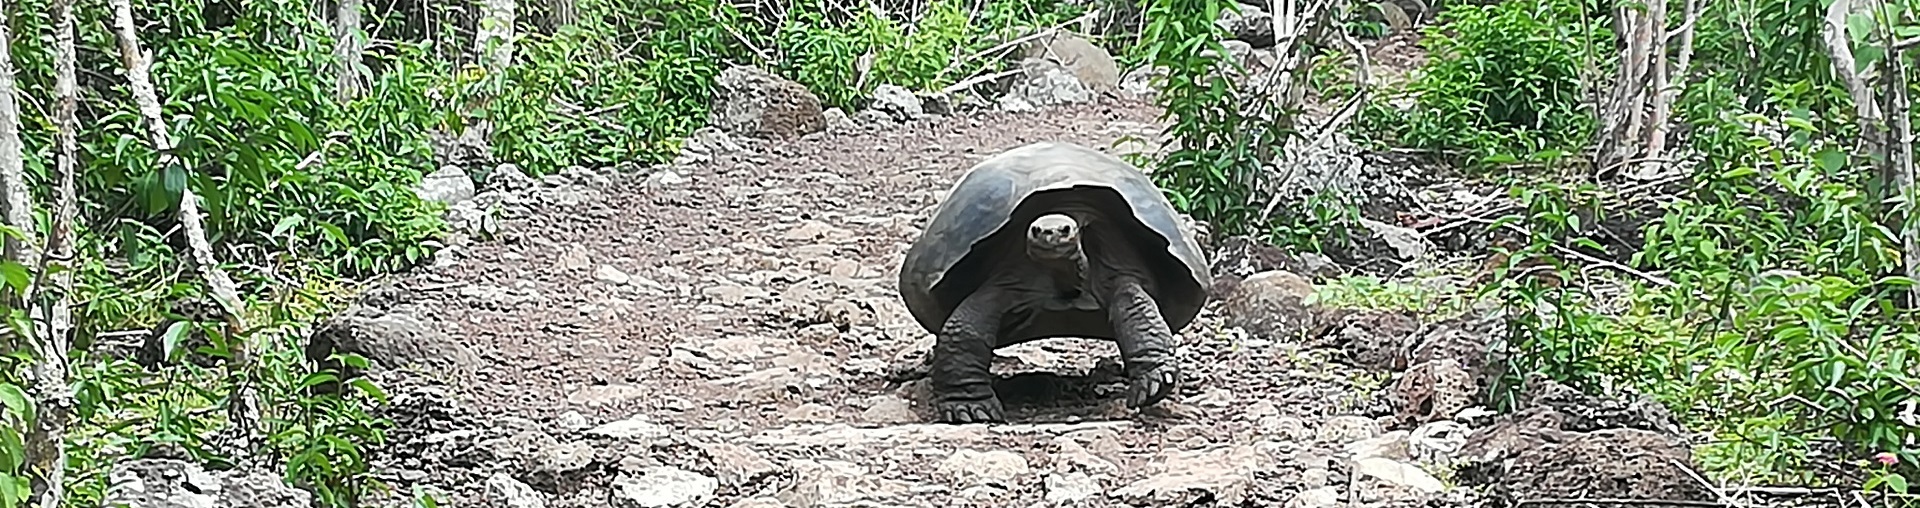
(1830, 159)
(170, 340)
(15, 275)
(286, 223)
(16, 401)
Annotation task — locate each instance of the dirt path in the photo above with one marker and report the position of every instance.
(724, 338)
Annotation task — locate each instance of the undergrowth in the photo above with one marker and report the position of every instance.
(306, 193)
(1763, 301)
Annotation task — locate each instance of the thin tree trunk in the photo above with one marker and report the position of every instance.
(243, 409)
(16, 205)
(54, 397)
(347, 50)
(1642, 61)
(1873, 137)
(561, 14)
(493, 38)
(1900, 170)
(46, 377)
(1671, 84)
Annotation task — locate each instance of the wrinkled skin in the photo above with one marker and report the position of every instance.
(1063, 272)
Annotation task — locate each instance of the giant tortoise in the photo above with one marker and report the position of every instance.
(1090, 248)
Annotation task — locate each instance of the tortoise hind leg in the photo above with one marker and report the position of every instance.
(962, 355)
(1146, 344)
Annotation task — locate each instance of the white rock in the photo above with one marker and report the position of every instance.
(505, 492)
(975, 467)
(1399, 473)
(611, 275)
(664, 487)
(632, 428)
(1071, 487)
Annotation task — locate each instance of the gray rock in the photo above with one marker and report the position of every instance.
(870, 117)
(1323, 497)
(749, 101)
(1406, 242)
(170, 483)
(1042, 83)
(1348, 428)
(663, 487)
(391, 340)
(449, 185)
(934, 103)
(509, 177)
(505, 492)
(1089, 64)
(1251, 25)
(899, 103)
(1273, 305)
(977, 468)
(836, 483)
(1071, 487)
(837, 120)
(1139, 81)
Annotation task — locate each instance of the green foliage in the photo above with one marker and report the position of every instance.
(301, 188)
(1771, 318)
(1502, 80)
(1222, 145)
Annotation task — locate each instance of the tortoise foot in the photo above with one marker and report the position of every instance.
(971, 411)
(1150, 386)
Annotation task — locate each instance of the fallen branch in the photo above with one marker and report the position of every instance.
(998, 48)
(1651, 278)
(969, 82)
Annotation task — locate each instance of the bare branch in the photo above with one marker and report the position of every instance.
(244, 411)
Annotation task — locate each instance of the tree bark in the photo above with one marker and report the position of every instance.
(1899, 171)
(47, 375)
(1866, 107)
(493, 37)
(243, 410)
(16, 203)
(1642, 66)
(561, 14)
(348, 46)
(50, 378)
(1671, 84)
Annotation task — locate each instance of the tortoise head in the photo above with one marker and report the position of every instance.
(1053, 236)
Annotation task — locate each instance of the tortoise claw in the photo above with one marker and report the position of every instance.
(1151, 386)
(971, 411)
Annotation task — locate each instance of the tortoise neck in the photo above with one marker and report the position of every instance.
(1068, 271)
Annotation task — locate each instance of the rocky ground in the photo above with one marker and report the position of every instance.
(725, 331)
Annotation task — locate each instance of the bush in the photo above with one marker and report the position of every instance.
(1503, 81)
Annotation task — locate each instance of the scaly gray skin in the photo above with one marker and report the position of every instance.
(963, 350)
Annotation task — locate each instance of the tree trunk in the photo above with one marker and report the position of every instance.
(493, 38)
(54, 398)
(47, 375)
(243, 409)
(560, 14)
(1899, 172)
(16, 205)
(348, 46)
(1642, 68)
(1866, 110)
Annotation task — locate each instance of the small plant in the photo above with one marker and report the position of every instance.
(1501, 80)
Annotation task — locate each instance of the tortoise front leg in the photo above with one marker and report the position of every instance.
(1146, 344)
(962, 355)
